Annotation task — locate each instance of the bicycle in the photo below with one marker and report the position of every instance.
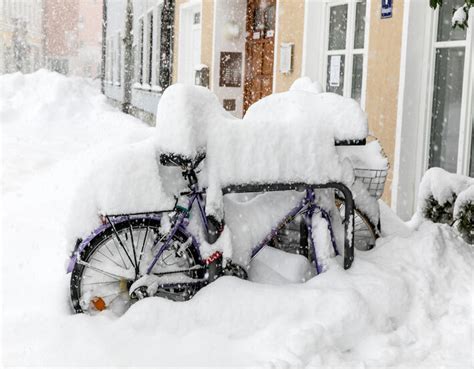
(133, 256)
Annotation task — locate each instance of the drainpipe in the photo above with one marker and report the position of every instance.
(104, 46)
(167, 41)
(128, 59)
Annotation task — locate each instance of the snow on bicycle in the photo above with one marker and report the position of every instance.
(243, 181)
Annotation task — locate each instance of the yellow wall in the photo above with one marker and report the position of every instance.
(207, 24)
(290, 28)
(383, 72)
(207, 34)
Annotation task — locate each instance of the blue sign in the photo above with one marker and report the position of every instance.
(387, 8)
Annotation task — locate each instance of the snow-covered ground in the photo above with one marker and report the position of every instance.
(407, 303)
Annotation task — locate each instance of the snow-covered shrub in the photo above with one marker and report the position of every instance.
(464, 214)
(439, 213)
(448, 198)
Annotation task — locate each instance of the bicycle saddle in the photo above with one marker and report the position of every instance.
(178, 160)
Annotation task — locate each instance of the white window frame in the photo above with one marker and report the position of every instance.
(118, 81)
(156, 45)
(349, 50)
(142, 42)
(139, 50)
(465, 127)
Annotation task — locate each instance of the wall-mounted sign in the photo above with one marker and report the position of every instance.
(286, 57)
(387, 8)
(230, 72)
(335, 70)
(229, 104)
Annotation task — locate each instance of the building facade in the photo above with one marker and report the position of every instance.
(411, 72)
(21, 35)
(72, 34)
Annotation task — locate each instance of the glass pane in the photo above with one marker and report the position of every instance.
(335, 74)
(357, 71)
(270, 18)
(446, 116)
(337, 27)
(360, 25)
(150, 50)
(471, 171)
(158, 44)
(445, 30)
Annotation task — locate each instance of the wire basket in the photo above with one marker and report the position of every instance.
(373, 179)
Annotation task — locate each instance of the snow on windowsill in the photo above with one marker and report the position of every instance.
(147, 87)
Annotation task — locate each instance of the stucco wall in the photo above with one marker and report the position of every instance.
(207, 27)
(290, 28)
(383, 73)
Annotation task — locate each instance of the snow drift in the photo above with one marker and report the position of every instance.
(406, 303)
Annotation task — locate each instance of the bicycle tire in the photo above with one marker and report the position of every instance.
(101, 242)
(365, 232)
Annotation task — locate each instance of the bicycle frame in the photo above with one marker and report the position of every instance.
(306, 207)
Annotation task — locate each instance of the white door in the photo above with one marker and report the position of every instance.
(190, 43)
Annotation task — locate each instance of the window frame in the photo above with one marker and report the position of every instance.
(465, 124)
(118, 80)
(349, 51)
(142, 44)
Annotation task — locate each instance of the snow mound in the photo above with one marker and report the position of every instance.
(464, 198)
(305, 84)
(340, 116)
(183, 116)
(442, 185)
(301, 124)
(406, 303)
(40, 112)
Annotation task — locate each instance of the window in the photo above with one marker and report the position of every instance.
(139, 69)
(446, 143)
(158, 44)
(149, 69)
(119, 59)
(148, 48)
(346, 49)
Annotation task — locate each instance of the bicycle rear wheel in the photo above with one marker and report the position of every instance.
(118, 256)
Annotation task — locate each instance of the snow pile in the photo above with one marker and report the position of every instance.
(305, 84)
(464, 199)
(442, 186)
(124, 180)
(301, 124)
(340, 116)
(40, 112)
(183, 116)
(447, 198)
(460, 16)
(406, 303)
(368, 156)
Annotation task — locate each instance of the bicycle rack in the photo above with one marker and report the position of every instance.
(348, 208)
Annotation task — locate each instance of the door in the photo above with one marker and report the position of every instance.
(259, 50)
(190, 43)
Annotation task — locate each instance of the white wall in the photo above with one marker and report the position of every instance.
(226, 11)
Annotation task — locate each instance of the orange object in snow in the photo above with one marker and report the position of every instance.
(98, 303)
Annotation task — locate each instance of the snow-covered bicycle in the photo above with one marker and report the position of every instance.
(174, 253)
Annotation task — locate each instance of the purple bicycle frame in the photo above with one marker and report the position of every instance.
(307, 206)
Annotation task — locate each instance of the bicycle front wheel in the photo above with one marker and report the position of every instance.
(365, 232)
